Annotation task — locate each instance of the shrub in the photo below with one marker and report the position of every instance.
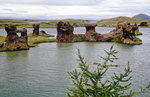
(88, 83)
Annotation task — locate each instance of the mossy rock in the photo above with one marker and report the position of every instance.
(16, 47)
(138, 33)
(131, 42)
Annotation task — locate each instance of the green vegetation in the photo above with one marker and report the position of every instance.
(112, 22)
(136, 42)
(31, 41)
(39, 39)
(48, 24)
(93, 83)
(138, 33)
(128, 41)
(10, 21)
(79, 38)
(78, 22)
(116, 40)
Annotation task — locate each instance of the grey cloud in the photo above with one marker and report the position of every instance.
(7, 9)
(53, 2)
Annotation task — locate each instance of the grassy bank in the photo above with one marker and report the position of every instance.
(112, 22)
(39, 39)
(47, 24)
(32, 40)
(137, 41)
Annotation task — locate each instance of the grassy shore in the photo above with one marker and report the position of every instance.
(32, 40)
(47, 24)
(112, 22)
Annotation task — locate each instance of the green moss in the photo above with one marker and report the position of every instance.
(131, 42)
(138, 33)
(79, 38)
(116, 40)
(13, 47)
(31, 41)
(39, 39)
(2, 39)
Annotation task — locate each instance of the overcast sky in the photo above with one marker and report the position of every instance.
(78, 9)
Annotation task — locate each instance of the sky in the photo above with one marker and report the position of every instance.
(76, 9)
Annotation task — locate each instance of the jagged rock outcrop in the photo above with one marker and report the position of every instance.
(143, 24)
(35, 29)
(64, 32)
(91, 35)
(42, 32)
(12, 39)
(123, 31)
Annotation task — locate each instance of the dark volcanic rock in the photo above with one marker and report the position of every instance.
(122, 31)
(35, 29)
(91, 34)
(12, 39)
(64, 32)
(42, 32)
(143, 24)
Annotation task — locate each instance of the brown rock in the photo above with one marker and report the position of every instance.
(122, 31)
(143, 24)
(35, 29)
(42, 32)
(12, 38)
(91, 34)
(64, 32)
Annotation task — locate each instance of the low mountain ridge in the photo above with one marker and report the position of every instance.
(142, 16)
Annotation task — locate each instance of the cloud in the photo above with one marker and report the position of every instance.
(52, 2)
(84, 9)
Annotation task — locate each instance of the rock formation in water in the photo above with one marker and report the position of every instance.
(91, 34)
(13, 40)
(64, 32)
(123, 31)
(42, 32)
(143, 24)
(35, 29)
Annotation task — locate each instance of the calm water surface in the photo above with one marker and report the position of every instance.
(42, 70)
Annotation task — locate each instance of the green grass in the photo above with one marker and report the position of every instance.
(138, 33)
(128, 41)
(48, 24)
(39, 39)
(112, 22)
(79, 38)
(116, 40)
(32, 40)
(10, 21)
(71, 21)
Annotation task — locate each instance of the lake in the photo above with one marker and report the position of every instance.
(42, 70)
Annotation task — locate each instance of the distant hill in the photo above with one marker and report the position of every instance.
(71, 21)
(112, 22)
(10, 21)
(142, 16)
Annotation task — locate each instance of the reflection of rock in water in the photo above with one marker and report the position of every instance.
(13, 40)
(64, 44)
(64, 32)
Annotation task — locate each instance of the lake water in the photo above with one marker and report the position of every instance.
(42, 70)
